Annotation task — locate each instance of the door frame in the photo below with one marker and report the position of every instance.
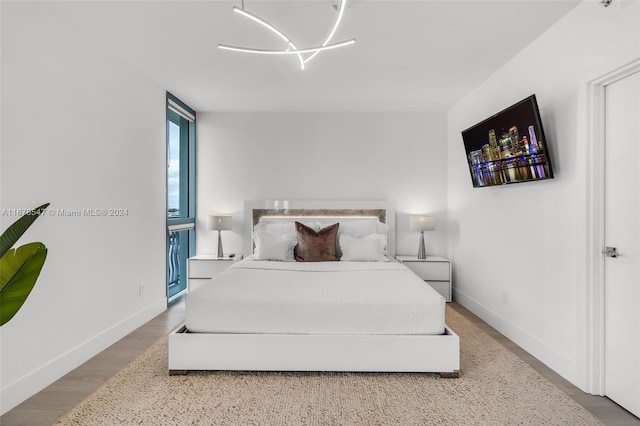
(594, 362)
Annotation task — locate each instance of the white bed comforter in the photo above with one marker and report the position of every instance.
(316, 298)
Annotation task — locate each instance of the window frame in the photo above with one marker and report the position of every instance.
(179, 113)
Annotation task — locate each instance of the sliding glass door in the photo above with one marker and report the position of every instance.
(181, 206)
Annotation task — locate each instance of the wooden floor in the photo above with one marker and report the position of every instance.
(51, 403)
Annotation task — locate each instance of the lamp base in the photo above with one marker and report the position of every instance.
(220, 252)
(422, 252)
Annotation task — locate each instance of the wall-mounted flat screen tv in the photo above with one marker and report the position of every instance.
(509, 147)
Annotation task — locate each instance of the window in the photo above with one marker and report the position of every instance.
(181, 206)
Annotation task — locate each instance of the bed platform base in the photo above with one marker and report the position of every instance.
(451, 375)
(303, 352)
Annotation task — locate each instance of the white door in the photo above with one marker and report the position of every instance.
(622, 231)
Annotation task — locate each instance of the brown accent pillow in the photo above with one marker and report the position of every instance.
(316, 246)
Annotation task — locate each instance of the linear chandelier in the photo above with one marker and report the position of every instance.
(304, 54)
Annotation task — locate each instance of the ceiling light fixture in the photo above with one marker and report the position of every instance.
(286, 52)
(266, 25)
(305, 54)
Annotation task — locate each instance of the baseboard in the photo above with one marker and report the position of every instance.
(31, 383)
(543, 352)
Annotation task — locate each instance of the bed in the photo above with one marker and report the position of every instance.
(287, 315)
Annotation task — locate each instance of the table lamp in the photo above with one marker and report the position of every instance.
(422, 223)
(219, 223)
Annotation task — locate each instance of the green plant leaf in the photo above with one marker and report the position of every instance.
(19, 270)
(15, 231)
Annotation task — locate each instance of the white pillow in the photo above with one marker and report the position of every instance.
(363, 228)
(274, 247)
(282, 227)
(359, 228)
(369, 248)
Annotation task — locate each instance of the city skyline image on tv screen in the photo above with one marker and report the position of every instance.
(509, 147)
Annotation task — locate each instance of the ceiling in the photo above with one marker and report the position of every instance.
(409, 55)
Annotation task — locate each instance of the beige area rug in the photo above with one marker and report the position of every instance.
(495, 388)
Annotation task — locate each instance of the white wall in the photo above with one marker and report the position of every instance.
(395, 156)
(528, 240)
(81, 130)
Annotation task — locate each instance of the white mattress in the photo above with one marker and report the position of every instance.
(316, 298)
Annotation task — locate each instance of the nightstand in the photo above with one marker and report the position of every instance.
(203, 267)
(435, 270)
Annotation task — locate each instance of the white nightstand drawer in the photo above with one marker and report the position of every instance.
(197, 282)
(438, 271)
(435, 270)
(202, 268)
(207, 268)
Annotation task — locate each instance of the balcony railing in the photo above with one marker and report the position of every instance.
(180, 243)
(174, 259)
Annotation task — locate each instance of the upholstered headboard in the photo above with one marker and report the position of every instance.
(317, 210)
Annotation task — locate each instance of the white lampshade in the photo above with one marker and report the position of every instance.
(219, 222)
(422, 223)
